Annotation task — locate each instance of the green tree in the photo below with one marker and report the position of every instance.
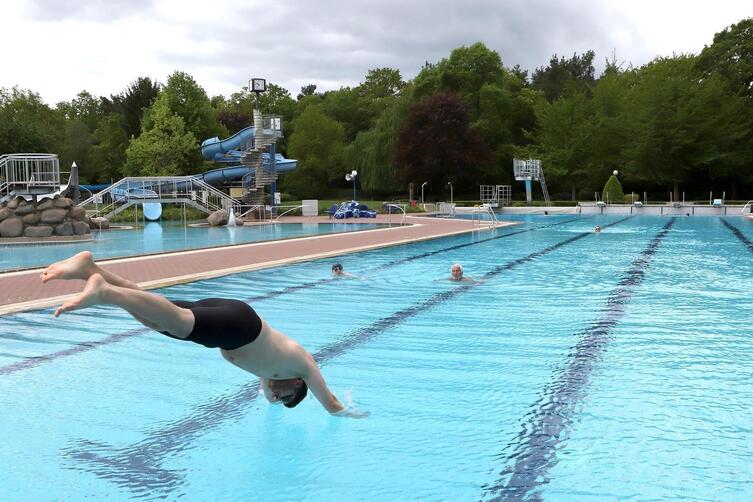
(554, 79)
(131, 104)
(682, 126)
(185, 98)
(166, 148)
(107, 155)
(27, 124)
(318, 144)
(731, 57)
(372, 153)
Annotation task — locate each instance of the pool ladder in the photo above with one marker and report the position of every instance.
(480, 210)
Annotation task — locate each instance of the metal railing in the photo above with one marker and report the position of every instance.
(481, 210)
(389, 208)
(446, 209)
(746, 207)
(165, 189)
(29, 173)
(292, 208)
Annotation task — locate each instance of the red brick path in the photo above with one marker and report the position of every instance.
(23, 290)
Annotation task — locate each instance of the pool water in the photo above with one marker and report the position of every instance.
(157, 237)
(584, 367)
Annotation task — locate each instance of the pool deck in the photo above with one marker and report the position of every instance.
(20, 291)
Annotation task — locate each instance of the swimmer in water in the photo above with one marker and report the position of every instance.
(597, 228)
(456, 274)
(337, 271)
(285, 369)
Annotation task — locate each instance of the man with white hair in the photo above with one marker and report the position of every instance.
(456, 274)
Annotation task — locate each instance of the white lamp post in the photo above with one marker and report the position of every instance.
(422, 190)
(450, 183)
(351, 176)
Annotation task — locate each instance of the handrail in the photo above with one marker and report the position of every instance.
(341, 209)
(156, 188)
(484, 208)
(388, 206)
(746, 206)
(292, 208)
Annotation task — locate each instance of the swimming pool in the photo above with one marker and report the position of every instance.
(584, 367)
(157, 237)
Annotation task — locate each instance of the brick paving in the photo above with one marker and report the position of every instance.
(24, 291)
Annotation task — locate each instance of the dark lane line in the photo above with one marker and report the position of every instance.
(33, 362)
(138, 467)
(548, 426)
(738, 234)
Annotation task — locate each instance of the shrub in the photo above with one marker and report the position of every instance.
(612, 192)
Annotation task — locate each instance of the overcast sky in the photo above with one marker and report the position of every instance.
(60, 47)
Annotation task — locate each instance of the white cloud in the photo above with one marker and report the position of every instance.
(58, 48)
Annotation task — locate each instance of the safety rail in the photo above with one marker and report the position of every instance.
(165, 189)
(746, 206)
(249, 209)
(389, 208)
(446, 209)
(292, 208)
(29, 173)
(481, 210)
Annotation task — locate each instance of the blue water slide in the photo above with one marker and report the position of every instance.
(227, 151)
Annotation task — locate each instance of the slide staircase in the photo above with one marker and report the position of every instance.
(163, 189)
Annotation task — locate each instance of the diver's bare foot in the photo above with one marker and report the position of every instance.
(91, 295)
(79, 266)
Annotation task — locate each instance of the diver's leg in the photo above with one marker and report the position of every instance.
(82, 266)
(155, 311)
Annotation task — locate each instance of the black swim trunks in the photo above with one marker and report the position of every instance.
(220, 322)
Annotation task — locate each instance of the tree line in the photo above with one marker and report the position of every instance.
(679, 123)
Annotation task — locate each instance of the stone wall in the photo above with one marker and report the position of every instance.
(46, 218)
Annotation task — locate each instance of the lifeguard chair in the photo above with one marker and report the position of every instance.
(530, 170)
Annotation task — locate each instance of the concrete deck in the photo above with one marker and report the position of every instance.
(23, 290)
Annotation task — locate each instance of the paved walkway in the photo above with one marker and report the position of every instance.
(23, 290)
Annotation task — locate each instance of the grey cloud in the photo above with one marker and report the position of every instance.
(333, 43)
(90, 10)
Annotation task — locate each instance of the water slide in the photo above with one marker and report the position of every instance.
(228, 151)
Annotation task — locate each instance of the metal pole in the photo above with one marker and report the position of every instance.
(354, 188)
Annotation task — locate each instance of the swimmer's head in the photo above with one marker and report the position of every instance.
(289, 392)
(337, 269)
(597, 228)
(456, 271)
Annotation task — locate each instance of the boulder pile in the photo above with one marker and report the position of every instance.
(46, 218)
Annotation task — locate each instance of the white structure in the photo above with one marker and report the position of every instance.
(28, 174)
(528, 171)
(495, 195)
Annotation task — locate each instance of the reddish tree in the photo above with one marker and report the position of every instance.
(437, 144)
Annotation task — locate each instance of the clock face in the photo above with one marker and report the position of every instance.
(258, 84)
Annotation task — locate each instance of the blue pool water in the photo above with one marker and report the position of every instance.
(162, 237)
(585, 367)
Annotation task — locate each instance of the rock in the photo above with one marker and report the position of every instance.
(38, 232)
(5, 213)
(31, 219)
(81, 228)
(99, 223)
(25, 209)
(78, 213)
(15, 202)
(63, 202)
(46, 204)
(53, 215)
(11, 227)
(65, 229)
(218, 218)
